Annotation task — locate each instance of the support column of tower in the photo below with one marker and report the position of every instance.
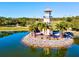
(46, 20)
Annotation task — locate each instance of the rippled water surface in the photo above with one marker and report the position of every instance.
(12, 46)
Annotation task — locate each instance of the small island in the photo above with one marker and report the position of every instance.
(42, 35)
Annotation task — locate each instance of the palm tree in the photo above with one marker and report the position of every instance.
(32, 29)
(41, 25)
(62, 26)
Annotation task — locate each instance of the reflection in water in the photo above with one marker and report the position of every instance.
(61, 52)
(43, 54)
(2, 34)
(12, 46)
(6, 33)
(76, 40)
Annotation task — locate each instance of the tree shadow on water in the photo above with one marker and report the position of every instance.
(42, 54)
(61, 52)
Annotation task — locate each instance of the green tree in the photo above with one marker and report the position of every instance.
(69, 19)
(75, 24)
(62, 26)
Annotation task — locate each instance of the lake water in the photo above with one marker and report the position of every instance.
(11, 46)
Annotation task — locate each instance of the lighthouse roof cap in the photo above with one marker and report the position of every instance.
(48, 10)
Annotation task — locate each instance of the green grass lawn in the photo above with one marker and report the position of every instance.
(13, 29)
(3, 28)
(53, 23)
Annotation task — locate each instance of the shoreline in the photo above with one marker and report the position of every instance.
(44, 43)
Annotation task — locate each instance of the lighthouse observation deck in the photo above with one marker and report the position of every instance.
(47, 15)
(48, 10)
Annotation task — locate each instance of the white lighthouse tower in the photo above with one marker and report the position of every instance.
(47, 15)
(46, 20)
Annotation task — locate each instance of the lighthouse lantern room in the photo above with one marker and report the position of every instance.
(47, 15)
